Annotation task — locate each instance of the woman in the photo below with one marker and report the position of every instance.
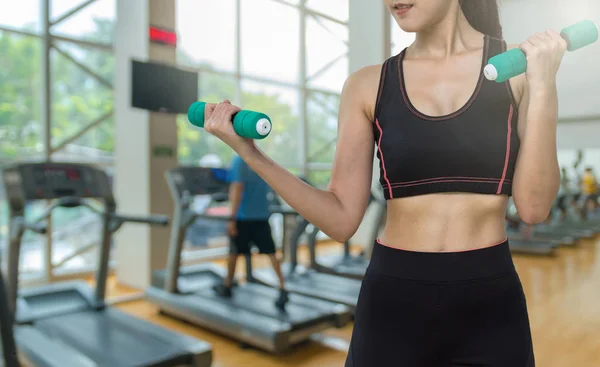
(441, 288)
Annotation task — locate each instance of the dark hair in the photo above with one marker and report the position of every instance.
(483, 15)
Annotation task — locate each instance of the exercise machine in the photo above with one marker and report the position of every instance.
(9, 347)
(348, 265)
(76, 317)
(309, 282)
(250, 315)
(40, 350)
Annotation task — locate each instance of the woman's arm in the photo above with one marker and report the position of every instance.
(338, 210)
(537, 175)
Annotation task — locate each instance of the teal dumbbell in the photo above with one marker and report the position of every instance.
(511, 63)
(249, 124)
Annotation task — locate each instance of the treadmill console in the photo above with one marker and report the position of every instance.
(43, 181)
(197, 181)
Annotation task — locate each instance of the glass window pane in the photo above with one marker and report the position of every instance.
(60, 7)
(281, 105)
(97, 145)
(22, 15)
(20, 105)
(95, 22)
(72, 230)
(206, 33)
(322, 126)
(319, 179)
(326, 53)
(196, 145)
(338, 9)
(79, 100)
(31, 264)
(270, 40)
(400, 39)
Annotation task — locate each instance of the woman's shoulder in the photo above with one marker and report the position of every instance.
(362, 86)
(366, 74)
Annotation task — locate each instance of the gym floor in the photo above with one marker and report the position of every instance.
(562, 293)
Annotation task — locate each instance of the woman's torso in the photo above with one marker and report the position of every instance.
(447, 143)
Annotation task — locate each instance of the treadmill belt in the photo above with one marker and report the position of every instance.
(244, 297)
(346, 265)
(112, 338)
(326, 283)
(324, 286)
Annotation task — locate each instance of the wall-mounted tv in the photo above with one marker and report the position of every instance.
(162, 88)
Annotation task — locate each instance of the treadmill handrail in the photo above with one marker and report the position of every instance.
(111, 223)
(9, 348)
(71, 202)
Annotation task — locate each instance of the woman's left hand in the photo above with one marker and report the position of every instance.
(544, 52)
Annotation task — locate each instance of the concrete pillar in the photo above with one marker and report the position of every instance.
(140, 185)
(369, 45)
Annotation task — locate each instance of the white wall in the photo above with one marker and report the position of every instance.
(579, 75)
(579, 135)
(131, 42)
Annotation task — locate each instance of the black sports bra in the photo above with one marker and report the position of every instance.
(471, 150)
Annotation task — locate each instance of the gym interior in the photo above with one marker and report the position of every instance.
(113, 215)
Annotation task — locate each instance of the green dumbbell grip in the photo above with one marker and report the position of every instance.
(506, 65)
(511, 63)
(580, 35)
(249, 124)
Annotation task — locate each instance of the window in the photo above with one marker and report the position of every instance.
(259, 71)
(319, 178)
(281, 105)
(20, 84)
(80, 117)
(268, 69)
(82, 103)
(270, 40)
(326, 53)
(82, 126)
(197, 18)
(338, 9)
(23, 15)
(95, 22)
(20, 121)
(322, 124)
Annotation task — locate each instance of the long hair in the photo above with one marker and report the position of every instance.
(483, 15)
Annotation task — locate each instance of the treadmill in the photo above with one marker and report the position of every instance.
(250, 315)
(75, 317)
(309, 282)
(41, 351)
(8, 351)
(347, 265)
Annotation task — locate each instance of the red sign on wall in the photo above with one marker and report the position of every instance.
(163, 36)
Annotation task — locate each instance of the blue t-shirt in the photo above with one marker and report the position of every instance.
(255, 203)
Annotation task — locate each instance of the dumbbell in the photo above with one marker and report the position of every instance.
(246, 123)
(511, 63)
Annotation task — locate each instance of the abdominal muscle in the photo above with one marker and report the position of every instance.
(445, 222)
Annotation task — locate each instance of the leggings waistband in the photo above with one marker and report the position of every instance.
(441, 266)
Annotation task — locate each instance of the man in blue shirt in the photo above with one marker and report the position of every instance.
(249, 224)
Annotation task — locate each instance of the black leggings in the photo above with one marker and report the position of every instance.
(419, 309)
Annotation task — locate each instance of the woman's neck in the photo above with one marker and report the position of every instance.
(451, 35)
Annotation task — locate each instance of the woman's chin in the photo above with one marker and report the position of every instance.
(409, 27)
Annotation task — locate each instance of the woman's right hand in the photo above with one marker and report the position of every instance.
(218, 122)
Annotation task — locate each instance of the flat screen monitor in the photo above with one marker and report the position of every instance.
(162, 88)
